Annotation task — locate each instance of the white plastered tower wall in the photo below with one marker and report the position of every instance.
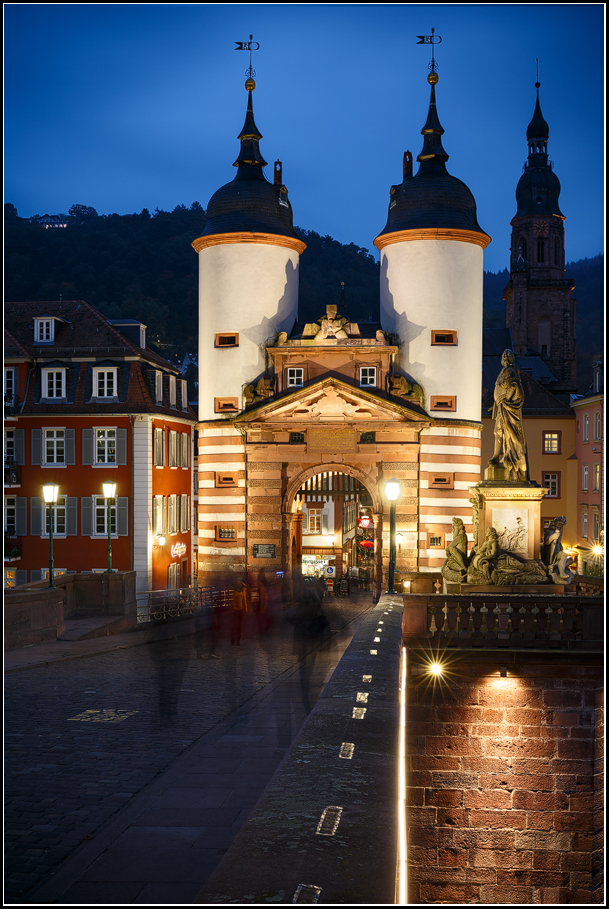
(436, 285)
(246, 288)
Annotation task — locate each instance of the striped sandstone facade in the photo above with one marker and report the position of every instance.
(451, 450)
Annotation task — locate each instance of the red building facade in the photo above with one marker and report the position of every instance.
(87, 402)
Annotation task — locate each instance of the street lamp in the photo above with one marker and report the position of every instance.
(109, 494)
(50, 492)
(392, 491)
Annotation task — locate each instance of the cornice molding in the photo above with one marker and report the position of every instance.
(249, 237)
(434, 233)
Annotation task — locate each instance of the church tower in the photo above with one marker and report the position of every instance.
(540, 309)
(248, 276)
(431, 300)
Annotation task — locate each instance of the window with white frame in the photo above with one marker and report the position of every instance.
(53, 383)
(185, 444)
(10, 384)
(295, 377)
(173, 576)
(585, 474)
(314, 516)
(158, 449)
(59, 517)
(105, 446)
(172, 391)
(586, 435)
(104, 383)
(551, 482)
(585, 522)
(597, 426)
(10, 515)
(44, 331)
(185, 514)
(596, 478)
(9, 446)
(173, 448)
(100, 516)
(57, 572)
(158, 386)
(159, 523)
(173, 514)
(54, 446)
(367, 375)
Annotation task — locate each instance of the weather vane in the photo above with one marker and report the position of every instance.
(250, 45)
(431, 39)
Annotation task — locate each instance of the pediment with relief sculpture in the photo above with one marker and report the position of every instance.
(332, 401)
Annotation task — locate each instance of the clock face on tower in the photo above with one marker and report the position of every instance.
(541, 228)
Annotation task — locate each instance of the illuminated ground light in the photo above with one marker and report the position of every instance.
(436, 669)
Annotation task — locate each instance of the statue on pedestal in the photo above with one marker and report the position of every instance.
(556, 560)
(454, 569)
(509, 455)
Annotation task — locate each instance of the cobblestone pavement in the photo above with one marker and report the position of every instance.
(84, 737)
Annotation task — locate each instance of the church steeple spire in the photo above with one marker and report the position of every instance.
(538, 131)
(250, 134)
(432, 151)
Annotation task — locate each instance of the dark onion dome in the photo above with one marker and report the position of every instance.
(249, 202)
(432, 198)
(538, 189)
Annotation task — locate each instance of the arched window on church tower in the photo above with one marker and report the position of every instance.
(540, 250)
(544, 337)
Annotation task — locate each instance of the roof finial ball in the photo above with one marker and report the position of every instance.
(250, 85)
(433, 78)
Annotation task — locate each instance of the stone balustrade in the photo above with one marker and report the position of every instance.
(504, 620)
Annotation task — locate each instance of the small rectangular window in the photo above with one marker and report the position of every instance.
(297, 438)
(295, 377)
(443, 338)
(10, 516)
(585, 475)
(227, 339)
(443, 402)
(226, 479)
(586, 434)
(551, 482)
(595, 525)
(367, 376)
(436, 541)
(597, 426)
(314, 516)
(59, 517)
(551, 442)
(226, 533)
(10, 385)
(441, 481)
(226, 405)
(367, 438)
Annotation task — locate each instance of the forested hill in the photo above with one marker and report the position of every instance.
(142, 266)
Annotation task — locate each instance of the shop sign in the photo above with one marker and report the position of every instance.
(178, 549)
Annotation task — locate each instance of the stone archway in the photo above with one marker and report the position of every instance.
(290, 510)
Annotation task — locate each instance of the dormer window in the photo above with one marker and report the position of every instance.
(104, 383)
(44, 331)
(283, 196)
(53, 383)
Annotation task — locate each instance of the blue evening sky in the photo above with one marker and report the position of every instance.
(123, 107)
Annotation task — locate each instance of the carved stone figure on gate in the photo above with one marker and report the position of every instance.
(454, 568)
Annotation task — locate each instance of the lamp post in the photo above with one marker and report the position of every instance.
(109, 494)
(50, 492)
(392, 491)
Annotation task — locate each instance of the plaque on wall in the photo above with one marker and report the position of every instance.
(331, 441)
(264, 550)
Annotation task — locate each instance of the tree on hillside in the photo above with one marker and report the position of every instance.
(82, 213)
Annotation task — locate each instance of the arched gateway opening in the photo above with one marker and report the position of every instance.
(336, 524)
